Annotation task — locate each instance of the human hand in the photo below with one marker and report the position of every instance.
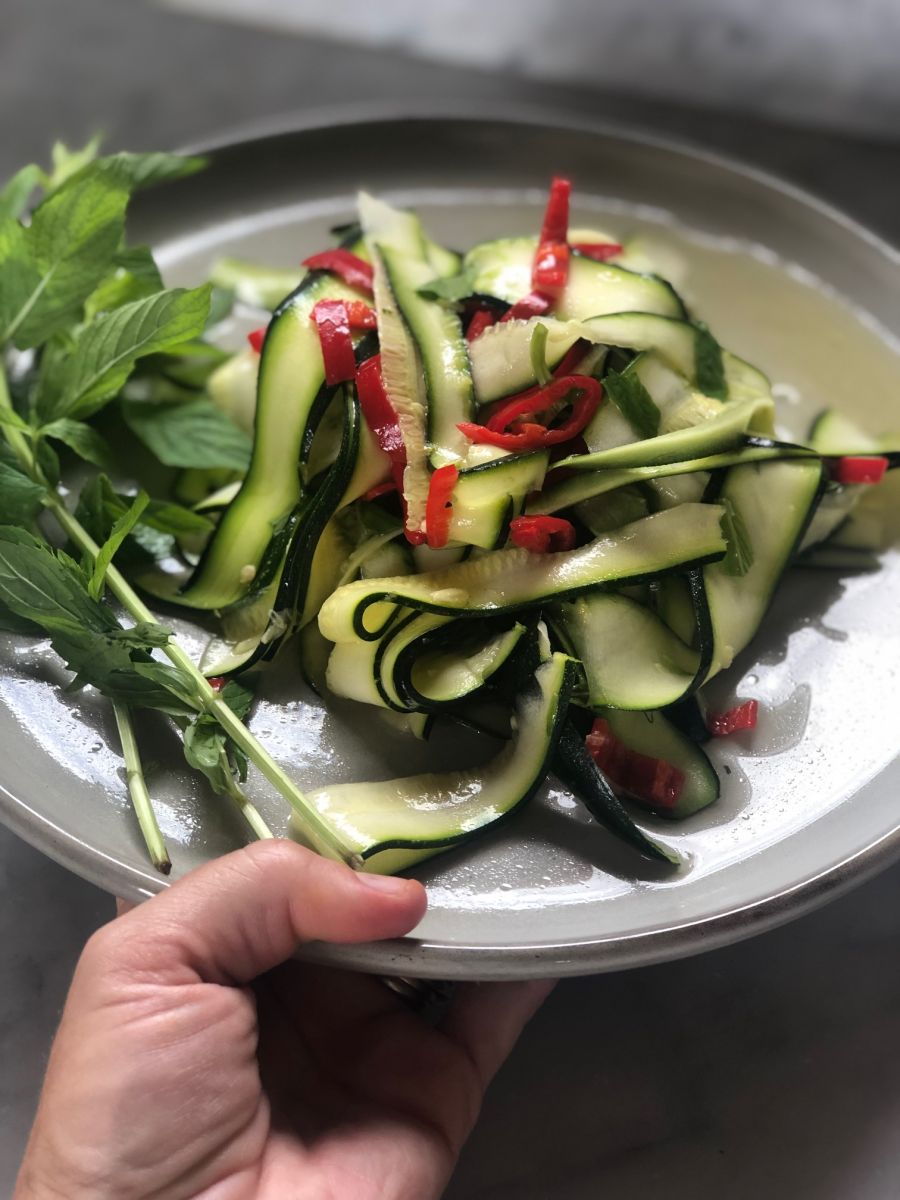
(196, 1058)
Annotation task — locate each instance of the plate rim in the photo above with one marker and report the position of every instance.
(434, 959)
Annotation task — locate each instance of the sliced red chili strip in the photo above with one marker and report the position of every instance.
(217, 682)
(651, 780)
(333, 326)
(481, 320)
(538, 400)
(354, 270)
(528, 437)
(256, 337)
(382, 420)
(550, 271)
(859, 468)
(555, 227)
(742, 716)
(598, 251)
(533, 305)
(359, 315)
(439, 505)
(541, 535)
(380, 489)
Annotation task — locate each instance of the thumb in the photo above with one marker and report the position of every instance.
(242, 915)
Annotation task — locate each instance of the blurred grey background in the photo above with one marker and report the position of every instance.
(767, 1069)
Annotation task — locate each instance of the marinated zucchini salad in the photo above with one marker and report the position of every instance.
(521, 488)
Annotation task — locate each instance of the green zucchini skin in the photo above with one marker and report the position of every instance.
(400, 822)
(573, 765)
(513, 579)
(285, 570)
(503, 269)
(738, 603)
(291, 395)
(651, 733)
(631, 659)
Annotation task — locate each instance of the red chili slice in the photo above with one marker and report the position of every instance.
(380, 489)
(333, 326)
(481, 320)
(742, 716)
(556, 215)
(550, 271)
(350, 267)
(217, 682)
(381, 418)
(542, 535)
(359, 314)
(652, 780)
(859, 468)
(439, 506)
(598, 251)
(532, 305)
(256, 338)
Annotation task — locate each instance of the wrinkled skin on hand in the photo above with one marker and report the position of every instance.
(197, 1058)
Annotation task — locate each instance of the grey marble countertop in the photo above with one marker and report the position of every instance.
(766, 1069)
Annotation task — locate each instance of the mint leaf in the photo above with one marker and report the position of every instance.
(135, 276)
(11, 419)
(204, 741)
(20, 497)
(54, 265)
(135, 171)
(85, 441)
(118, 534)
(709, 370)
(107, 349)
(193, 434)
(633, 401)
(15, 196)
(41, 587)
(451, 288)
(739, 553)
(65, 162)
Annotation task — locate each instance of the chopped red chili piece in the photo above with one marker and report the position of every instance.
(439, 505)
(380, 489)
(333, 325)
(651, 780)
(217, 682)
(354, 270)
(532, 305)
(742, 716)
(550, 271)
(859, 468)
(598, 251)
(556, 215)
(481, 320)
(359, 314)
(542, 535)
(256, 338)
(382, 420)
(528, 437)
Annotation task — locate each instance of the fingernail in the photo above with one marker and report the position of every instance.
(387, 885)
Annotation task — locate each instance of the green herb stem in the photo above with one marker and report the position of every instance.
(137, 789)
(322, 837)
(248, 810)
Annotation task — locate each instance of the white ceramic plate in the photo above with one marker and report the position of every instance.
(809, 799)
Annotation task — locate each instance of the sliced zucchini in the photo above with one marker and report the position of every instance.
(254, 283)
(835, 435)
(487, 497)
(291, 377)
(602, 514)
(578, 771)
(445, 674)
(399, 822)
(738, 601)
(582, 487)
(509, 579)
(404, 381)
(652, 734)
(503, 269)
(630, 658)
(232, 388)
(438, 334)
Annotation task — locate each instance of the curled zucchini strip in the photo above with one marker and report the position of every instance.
(399, 822)
(515, 579)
